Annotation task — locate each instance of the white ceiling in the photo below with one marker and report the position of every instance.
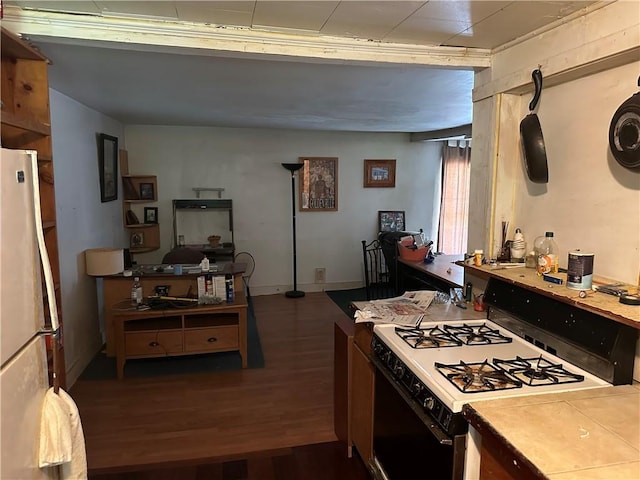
(393, 66)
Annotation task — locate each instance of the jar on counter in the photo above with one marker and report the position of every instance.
(531, 260)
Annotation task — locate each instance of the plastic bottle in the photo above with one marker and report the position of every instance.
(228, 280)
(518, 247)
(547, 252)
(136, 292)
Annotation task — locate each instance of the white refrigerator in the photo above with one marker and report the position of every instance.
(23, 373)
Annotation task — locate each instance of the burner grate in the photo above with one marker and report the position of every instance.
(430, 337)
(477, 377)
(537, 371)
(477, 334)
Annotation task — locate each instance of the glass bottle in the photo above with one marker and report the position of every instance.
(136, 292)
(547, 251)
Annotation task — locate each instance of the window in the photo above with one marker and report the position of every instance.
(454, 202)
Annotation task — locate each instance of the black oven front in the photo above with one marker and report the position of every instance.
(408, 441)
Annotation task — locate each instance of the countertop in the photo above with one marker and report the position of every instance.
(442, 267)
(600, 303)
(586, 435)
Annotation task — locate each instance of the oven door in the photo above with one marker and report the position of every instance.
(406, 440)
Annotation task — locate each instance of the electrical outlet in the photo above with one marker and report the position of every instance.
(320, 275)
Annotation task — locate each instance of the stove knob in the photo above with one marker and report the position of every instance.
(429, 403)
(399, 370)
(416, 388)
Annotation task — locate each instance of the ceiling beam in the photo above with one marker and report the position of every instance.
(463, 131)
(211, 40)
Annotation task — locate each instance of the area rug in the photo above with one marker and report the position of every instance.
(343, 298)
(104, 368)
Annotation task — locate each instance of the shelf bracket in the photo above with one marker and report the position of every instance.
(202, 189)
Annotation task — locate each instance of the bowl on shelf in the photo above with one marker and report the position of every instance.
(214, 240)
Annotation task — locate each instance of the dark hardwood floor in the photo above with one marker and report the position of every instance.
(274, 422)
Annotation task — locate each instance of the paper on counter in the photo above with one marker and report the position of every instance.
(407, 310)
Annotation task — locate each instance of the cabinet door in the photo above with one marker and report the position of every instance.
(153, 344)
(211, 339)
(362, 386)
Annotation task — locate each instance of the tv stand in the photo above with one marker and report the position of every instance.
(180, 331)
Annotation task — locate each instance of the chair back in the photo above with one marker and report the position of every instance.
(377, 278)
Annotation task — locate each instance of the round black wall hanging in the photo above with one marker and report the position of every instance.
(624, 132)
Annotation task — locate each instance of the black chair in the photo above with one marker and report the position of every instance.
(377, 278)
(250, 265)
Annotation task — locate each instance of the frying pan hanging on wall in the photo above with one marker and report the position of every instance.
(535, 155)
(624, 132)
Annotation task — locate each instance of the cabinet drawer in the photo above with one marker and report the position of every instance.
(153, 343)
(211, 339)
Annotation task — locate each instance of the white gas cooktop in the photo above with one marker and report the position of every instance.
(422, 362)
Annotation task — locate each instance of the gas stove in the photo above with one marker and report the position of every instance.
(525, 344)
(447, 364)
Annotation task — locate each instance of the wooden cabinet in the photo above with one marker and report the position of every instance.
(354, 387)
(189, 331)
(26, 125)
(117, 291)
(362, 391)
(139, 191)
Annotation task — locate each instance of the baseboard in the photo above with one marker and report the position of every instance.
(307, 287)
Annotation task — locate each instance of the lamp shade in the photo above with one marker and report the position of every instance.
(104, 261)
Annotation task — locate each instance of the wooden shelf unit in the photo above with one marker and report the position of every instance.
(188, 331)
(26, 125)
(148, 233)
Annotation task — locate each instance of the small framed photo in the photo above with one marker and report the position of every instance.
(137, 240)
(379, 173)
(150, 214)
(146, 191)
(391, 220)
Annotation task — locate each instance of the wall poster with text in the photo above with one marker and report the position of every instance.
(318, 181)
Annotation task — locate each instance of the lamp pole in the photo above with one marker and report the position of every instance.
(293, 168)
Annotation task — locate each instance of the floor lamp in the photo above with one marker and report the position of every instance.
(293, 168)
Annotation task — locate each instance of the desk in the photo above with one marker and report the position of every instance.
(180, 331)
(117, 288)
(442, 274)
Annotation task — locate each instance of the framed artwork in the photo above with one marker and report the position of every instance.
(146, 191)
(108, 160)
(391, 220)
(379, 173)
(318, 180)
(150, 214)
(137, 240)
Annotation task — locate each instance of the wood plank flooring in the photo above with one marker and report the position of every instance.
(216, 419)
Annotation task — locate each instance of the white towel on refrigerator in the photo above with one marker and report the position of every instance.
(61, 436)
(55, 431)
(76, 469)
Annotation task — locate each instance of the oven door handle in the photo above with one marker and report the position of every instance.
(427, 419)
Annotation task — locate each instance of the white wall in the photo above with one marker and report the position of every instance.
(590, 67)
(590, 201)
(246, 162)
(82, 222)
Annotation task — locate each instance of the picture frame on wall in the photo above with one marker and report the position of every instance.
(150, 214)
(380, 173)
(108, 164)
(391, 220)
(146, 191)
(137, 240)
(318, 184)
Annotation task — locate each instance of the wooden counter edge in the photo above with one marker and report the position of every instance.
(576, 301)
(507, 456)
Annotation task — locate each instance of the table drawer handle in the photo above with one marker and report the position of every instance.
(154, 344)
(212, 339)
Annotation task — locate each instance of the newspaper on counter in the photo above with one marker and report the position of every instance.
(406, 310)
